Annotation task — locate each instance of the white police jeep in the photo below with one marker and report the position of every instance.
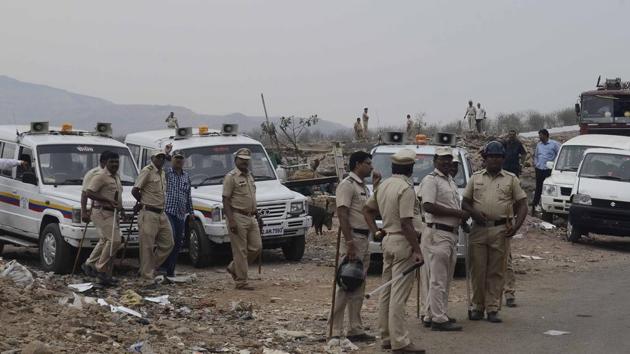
(208, 158)
(40, 204)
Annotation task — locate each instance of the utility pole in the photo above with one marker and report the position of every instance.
(271, 129)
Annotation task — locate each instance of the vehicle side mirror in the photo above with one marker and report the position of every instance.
(577, 109)
(549, 165)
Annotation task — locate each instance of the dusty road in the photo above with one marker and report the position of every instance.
(578, 288)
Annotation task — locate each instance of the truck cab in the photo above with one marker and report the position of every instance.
(605, 110)
(209, 156)
(556, 190)
(381, 161)
(40, 205)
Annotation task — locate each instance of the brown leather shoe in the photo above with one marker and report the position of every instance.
(387, 345)
(409, 349)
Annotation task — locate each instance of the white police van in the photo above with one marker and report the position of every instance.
(40, 205)
(209, 156)
(381, 161)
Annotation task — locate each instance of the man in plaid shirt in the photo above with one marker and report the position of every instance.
(178, 205)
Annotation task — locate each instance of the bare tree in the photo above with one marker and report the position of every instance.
(293, 127)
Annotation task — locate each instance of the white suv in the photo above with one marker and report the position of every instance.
(40, 205)
(209, 157)
(557, 187)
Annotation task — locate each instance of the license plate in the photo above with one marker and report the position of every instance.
(272, 230)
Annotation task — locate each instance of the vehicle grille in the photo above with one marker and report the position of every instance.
(124, 226)
(565, 191)
(270, 211)
(603, 203)
(295, 223)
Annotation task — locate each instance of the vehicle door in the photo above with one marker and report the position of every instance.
(10, 199)
(26, 183)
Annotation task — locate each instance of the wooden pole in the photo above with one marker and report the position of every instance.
(334, 285)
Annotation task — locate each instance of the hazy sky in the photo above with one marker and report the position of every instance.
(326, 57)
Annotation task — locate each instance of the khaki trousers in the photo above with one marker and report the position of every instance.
(96, 252)
(246, 246)
(156, 241)
(510, 279)
(440, 247)
(471, 123)
(488, 259)
(366, 133)
(391, 309)
(353, 301)
(425, 278)
(110, 241)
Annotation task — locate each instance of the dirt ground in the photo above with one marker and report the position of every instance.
(286, 312)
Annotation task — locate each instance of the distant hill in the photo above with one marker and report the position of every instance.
(23, 102)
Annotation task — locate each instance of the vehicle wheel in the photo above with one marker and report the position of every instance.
(376, 263)
(1, 247)
(548, 217)
(294, 249)
(55, 254)
(573, 233)
(199, 246)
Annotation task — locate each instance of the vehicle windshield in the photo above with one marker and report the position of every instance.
(209, 164)
(570, 157)
(67, 164)
(606, 166)
(424, 165)
(605, 109)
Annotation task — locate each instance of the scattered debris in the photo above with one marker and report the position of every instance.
(81, 287)
(131, 298)
(36, 347)
(336, 345)
(18, 273)
(535, 258)
(553, 332)
(273, 351)
(162, 300)
(546, 226)
(190, 278)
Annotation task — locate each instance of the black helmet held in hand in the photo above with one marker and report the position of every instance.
(350, 275)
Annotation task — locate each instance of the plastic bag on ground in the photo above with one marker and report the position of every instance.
(18, 273)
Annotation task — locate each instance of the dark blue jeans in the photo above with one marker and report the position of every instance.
(178, 226)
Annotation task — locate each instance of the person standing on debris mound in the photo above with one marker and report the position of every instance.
(490, 196)
(178, 205)
(351, 195)
(470, 115)
(239, 202)
(88, 266)
(480, 116)
(156, 237)
(396, 202)
(106, 190)
(366, 118)
(358, 130)
(515, 154)
(411, 134)
(546, 150)
(443, 215)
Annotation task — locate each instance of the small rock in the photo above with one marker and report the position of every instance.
(36, 347)
(273, 300)
(98, 337)
(182, 330)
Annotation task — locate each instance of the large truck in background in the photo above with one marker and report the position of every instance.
(605, 110)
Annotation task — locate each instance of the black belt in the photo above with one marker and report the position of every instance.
(244, 212)
(152, 209)
(491, 223)
(361, 232)
(442, 227)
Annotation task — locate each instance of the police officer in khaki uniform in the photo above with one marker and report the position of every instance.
(88, 266)
(443, 215)
(106, 191)
(351, 196)
(490, 196)
(156, 236)
(396, 202)
(239, 202)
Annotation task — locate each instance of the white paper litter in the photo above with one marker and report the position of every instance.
(18, 273)
(337, 346)
(273, 351)
(126, 310)
(162, 300)
(518, 236)
(546, 226)
(191, 278)
(81, 287)
(102, 302)
(553, 332)
(535, 258)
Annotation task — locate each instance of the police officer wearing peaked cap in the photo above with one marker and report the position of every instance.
(239, 202)
(490, 196)
(396, 202)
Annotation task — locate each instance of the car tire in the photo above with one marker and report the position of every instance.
(1, 247)
(199, 246)
(573, 233)
(548, 217)
(293, 250)
(55, 254)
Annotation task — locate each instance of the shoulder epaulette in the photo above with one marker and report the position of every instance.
(479, 172)
(509, 173)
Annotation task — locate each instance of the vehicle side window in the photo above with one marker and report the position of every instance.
(8, 152)
(26, 174)
(135, 152)
(145, 158)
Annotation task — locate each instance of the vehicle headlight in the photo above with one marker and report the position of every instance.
(297, 208)
(217, 215)
(583, 199)
(550, 189)
(76, 216)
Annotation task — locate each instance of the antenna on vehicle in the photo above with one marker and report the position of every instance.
(598, 80)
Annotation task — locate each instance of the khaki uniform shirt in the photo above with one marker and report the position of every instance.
(241, 190)
(88, 177)
(106, 184)
(439, 189)
(152, 185)
(395, 199)
(494, 196)
(352, 193)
